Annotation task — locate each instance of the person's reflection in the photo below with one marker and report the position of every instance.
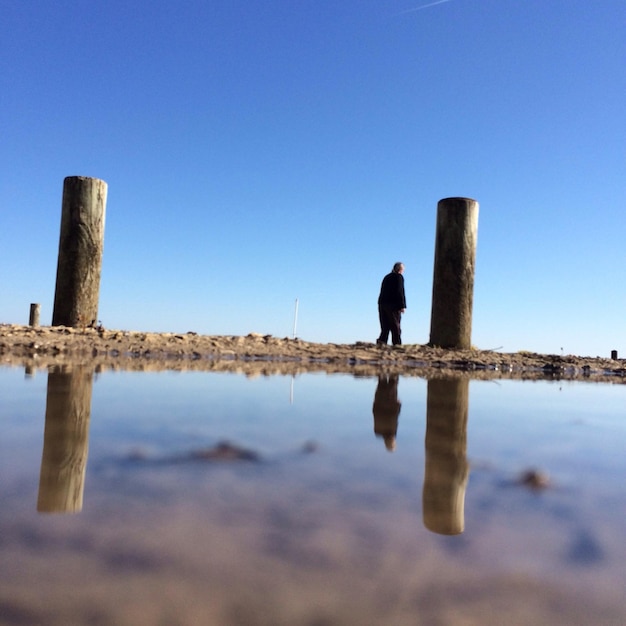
(66, 440)
(446, 473)
(386, 409)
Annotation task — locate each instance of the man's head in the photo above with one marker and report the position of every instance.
(398, 267)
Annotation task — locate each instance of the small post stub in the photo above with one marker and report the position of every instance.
(81, 243)
(33, 318)
(453, 275)
(614, 355)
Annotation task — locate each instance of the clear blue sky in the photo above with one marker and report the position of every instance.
(262, 151)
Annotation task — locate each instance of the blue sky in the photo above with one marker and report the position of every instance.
(262, 151)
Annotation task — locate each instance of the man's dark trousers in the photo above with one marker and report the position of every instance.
(389, 322)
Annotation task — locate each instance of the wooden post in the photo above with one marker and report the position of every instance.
(33, 319)
(614, 355)
(446, 473)
(453, 276)
(66, 441)
(81, 244)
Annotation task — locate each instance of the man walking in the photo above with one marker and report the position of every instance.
(391, 305)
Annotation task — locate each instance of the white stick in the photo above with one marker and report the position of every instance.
(295, 319)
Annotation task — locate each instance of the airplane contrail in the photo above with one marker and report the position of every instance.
(423, 6)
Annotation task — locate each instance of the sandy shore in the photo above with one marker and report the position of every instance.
(257, 354)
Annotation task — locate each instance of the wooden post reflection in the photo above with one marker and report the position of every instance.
(445, 479)
(66, 441)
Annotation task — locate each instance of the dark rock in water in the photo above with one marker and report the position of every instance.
(534, 479)
(138, 454)
(309, 447)
(586, 549)
(224, 451)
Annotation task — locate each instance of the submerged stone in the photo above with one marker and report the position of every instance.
(224, 451)
(534, 479)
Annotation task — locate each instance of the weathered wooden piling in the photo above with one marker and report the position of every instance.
(66, 441)
(33, 318)
(446, 471)
(453, 275)
(81, 244)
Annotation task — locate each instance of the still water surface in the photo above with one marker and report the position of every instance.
(357, 501)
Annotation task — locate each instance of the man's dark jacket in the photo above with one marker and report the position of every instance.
(392, 292)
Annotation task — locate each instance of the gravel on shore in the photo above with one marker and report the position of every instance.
(257, 354)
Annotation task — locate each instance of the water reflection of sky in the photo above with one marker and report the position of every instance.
(575, 430)
(349, 502)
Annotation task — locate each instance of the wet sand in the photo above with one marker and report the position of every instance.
(257, 354)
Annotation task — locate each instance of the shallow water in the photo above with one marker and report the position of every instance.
(107, 517)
